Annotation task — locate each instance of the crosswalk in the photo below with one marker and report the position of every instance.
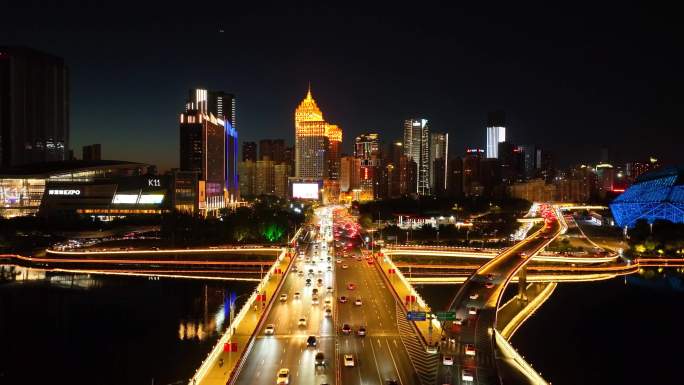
(424, 363)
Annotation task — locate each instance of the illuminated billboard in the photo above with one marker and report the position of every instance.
(305, 190)
(154, 199)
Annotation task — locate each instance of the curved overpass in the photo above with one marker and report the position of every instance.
(479, 357)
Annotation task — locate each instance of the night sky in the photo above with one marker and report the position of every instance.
(571, 79)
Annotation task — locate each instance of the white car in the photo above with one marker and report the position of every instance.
(297, 295)
(270, 330)
(472, 310)
(467, 375)
(348, 360)
(283, 377)
(329, 289)
(338, 260)
(314, 300)
(301, 322)
(448, 360)
(345, 266)
(469, 350)
(474, 296)
(283, 297)
(328, 312)
(358, 302)
(327, 302)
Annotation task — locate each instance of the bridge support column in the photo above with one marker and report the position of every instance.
(522, 284)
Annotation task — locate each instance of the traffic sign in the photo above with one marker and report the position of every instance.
(416, 316)
(445, 315)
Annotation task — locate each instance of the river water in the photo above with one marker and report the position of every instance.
(81, 329)
(621, 331)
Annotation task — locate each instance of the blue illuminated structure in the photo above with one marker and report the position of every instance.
(231, 177)
(655, 195)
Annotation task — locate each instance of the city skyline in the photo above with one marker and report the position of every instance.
(587, 76)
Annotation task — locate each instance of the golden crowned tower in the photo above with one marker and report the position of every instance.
(317, 143)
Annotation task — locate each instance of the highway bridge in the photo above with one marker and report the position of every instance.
(271, 333)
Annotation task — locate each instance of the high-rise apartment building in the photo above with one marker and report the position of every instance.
(264, 183)
(416, 147)
(289, 158)
(34, 107)
(350, 170)
(471, 171)
(92, 152)
(496, 133)
(249, 151)
(439, 158)
(312, 141)
(247, 177)
(272, 149)
(334, 135)
(281, 173)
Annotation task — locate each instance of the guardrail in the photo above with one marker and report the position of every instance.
(510, 353)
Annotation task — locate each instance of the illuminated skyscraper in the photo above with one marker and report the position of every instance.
(209, 146)
(313, 136)
(367, 150)
(416, 147)
(496, 133)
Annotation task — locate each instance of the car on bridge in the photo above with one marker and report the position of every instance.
(302, 321)
(328, 312)
(472, 310)
(343, 299)
(349, 360)
(474, 296)
(311, 342)
(448, 360)
(283, 376)
(470, 350)
(319, 359)
(269, 330)
(351, 286)
(346, 329)
(283, 297)
(362, 331)
(297, 295)
(358, 302)
(489, 285)
(467, 375)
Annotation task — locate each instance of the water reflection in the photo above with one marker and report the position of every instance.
(89, 324)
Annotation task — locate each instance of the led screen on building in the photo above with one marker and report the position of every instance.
(305, 190)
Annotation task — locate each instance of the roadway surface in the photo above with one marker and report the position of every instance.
(380, 355)
(287, 348)
(481, 295)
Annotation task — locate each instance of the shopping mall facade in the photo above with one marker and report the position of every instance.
(102, 189)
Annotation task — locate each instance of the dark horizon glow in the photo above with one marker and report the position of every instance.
(570, 80)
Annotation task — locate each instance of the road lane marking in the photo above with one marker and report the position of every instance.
(394, 362)
(377, 366)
